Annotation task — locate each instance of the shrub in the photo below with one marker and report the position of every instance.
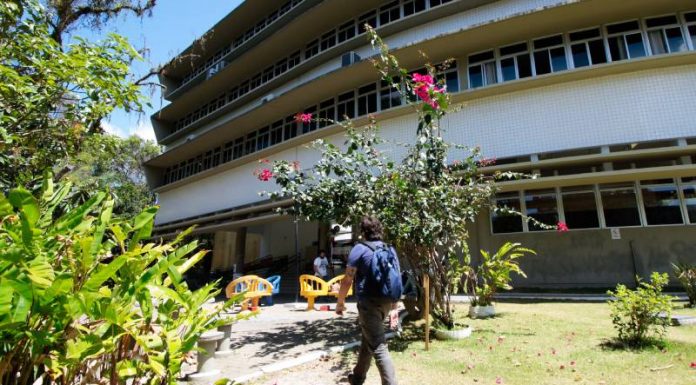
(83, 300)
(686, 274)
(494, 273)
(641, 316)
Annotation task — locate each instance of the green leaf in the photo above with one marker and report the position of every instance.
(26, 203)
(105, 272)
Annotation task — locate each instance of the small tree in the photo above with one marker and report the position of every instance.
(424, 202)
(641, 316)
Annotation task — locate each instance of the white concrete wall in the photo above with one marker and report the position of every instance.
(641, 106)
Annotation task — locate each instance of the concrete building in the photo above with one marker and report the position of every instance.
(595, 96)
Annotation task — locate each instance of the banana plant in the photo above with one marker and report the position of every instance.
(89, 298)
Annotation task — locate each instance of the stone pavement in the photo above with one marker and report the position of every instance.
(284, 332)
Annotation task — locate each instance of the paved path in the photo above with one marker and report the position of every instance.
(282, 332)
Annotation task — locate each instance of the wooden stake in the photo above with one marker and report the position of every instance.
(426, 287)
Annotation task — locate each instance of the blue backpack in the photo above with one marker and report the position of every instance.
(383, 278)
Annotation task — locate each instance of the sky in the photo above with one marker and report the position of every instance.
(174, 25)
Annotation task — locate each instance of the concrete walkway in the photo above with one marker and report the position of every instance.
(285, 332)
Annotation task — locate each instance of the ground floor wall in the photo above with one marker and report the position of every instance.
(592, 258)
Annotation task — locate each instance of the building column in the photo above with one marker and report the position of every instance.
(223, 251)
(240, 248)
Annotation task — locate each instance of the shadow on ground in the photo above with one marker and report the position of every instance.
(322, 334)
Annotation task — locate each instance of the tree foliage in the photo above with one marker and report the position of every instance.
(51, 96)
(114, 163)
(84, 300)
(424, 202)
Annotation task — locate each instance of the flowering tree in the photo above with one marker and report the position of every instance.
(423, 201)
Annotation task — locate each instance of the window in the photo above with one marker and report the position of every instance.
(267, 75)
(216, 157)
(256, 81)
(368, 18)
(625, 41)
(294, 60)
(515, 62)
(661, 202)
(449, 77)
(482, 70)
(688, 188)
(580, 207)
(244, 88)
(691, 27)
(414, 6)
(549, 55)
(227, 152)
(389, 96)
(390, 12)
(328, 40)
(345, 106)
(435, 3)
(250, 143)
(238, 150)
(665, 35)
(264, 139)
(281, 67)
(277, 132)
(541, 206)
(290, 128)
(327, 113)
(504, 222)
(620, 205)
(367, 99)
(312, 49)
(346, 31)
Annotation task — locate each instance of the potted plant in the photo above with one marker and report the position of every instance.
(493, 274)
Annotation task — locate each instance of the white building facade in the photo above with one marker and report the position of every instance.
(595, 96)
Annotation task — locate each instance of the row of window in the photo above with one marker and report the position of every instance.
(367, 99)
(644, 203)
(251, 32)
(610, 43)
(383, 15)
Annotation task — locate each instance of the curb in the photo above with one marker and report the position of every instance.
(303, 359)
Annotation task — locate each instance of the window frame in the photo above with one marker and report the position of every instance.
(678, 24)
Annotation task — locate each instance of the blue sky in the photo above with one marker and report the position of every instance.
(173, 26)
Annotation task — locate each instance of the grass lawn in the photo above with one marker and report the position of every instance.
(527, 344)
(547, 343)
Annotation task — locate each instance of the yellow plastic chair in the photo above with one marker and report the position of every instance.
(337, 280)
(312, 287)
(253, 287)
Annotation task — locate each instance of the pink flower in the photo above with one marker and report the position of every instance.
(265, 175)
(693, 365)
(498, 380)
(303, 118)
(562, 227)
(426, 79)
(485, 162)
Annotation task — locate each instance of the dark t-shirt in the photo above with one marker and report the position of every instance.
(359, 258)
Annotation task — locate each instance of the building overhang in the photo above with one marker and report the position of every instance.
(173, 157)
(581, 14)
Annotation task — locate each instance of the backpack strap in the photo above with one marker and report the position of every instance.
(373, 248)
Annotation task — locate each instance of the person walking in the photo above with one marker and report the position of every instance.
(321, 266)
(374, 266)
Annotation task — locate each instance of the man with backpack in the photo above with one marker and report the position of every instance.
(375, 267)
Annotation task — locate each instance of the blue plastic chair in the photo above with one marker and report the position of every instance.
(275, 281)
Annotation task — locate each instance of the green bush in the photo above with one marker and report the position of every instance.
(494, 273)
(641, 316)
(686, 274)
(84, 300)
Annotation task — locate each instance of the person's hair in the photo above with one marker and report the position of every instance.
(322, 251)
(371, 229)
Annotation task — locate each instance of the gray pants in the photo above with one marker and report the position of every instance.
(371, 315)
